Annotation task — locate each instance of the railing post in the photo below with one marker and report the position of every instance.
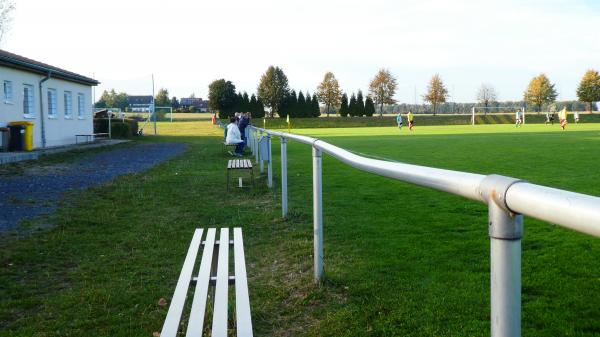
(284, 193)
(505, 231)
(256, 147)
(317, 213)
(260, 159)
(270, 164)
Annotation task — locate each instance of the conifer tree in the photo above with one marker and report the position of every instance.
(344, 105)
(316, 109)
(369, 107)
(252, 105)
(260, 109)
(308, 109)
(352, 105)
(245, 102)
(360, 104)
(301, 104)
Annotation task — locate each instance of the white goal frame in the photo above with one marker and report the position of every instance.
(514, 108)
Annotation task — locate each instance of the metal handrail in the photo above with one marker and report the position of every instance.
(580, 212)
(507, 199)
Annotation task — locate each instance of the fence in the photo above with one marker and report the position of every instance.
(508, 199)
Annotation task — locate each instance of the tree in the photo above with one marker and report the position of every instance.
(120, 100)
(162, 98)
(6, 9)
(301, 105)
(589, 88)
(436, 92)
(316, 109)
(486, 95)
(289, 105)
(369, 107)
(382, 89)
(260, 109)
(245, 102)
(174, 103)
(309, 105)
(273, 88)
(222, 97)
(352, 105)
(329, 91)
(360, 104)
(540, 91)
(105, 100)
(344, 108)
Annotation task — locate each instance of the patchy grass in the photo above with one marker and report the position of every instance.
(400, 260)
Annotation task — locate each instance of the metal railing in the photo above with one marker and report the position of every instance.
(508, 199)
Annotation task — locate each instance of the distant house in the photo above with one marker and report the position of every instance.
(139, 103)
(58, 102)
(198, 103)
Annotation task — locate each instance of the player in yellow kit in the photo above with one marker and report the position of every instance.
(562, 117)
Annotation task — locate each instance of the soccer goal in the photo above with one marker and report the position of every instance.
(495, 114)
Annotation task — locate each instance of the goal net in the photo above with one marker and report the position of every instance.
(496, 114)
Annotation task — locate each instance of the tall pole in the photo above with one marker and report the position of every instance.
(284, 192)
(153, 110)
(317, 214)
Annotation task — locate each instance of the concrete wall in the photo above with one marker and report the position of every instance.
(60, 130)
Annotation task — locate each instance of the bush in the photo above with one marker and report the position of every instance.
(119, 128)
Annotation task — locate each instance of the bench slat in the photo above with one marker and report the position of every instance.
(177, 302)
(242, 299)
(196, 321)
(219, 326)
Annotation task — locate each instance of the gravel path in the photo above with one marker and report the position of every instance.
(38, 190)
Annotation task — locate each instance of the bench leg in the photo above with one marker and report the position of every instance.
(252, 176)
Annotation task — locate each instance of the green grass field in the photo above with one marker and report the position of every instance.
(400, 260)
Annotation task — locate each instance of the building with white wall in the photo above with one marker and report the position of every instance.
(58, 102)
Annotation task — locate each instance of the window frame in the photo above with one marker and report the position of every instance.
(68, 104)
(8, 84)
(30, 113)
(80, 106)
(52, 108)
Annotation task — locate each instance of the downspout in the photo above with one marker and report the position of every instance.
(42, 109)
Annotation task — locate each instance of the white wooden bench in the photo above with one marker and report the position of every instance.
(90, 137)
(213, 270)
(239, 164)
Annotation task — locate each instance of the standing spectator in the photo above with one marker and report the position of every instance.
(234, 137)
(242, 124)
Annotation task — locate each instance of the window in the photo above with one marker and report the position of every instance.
(51, 103)
(8, 93)
(80, 106)
(68, 105)
(28, 101)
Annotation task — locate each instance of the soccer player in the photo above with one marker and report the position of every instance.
(411, 121)
(562, 117)
(576, 116)
(399, 121)
(518, 120)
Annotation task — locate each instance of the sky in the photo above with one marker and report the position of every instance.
(186, 44)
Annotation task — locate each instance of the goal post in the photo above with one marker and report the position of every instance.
(497, 110)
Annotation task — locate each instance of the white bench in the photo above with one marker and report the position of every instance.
(90, 137)
(213, 270)
(239, 164)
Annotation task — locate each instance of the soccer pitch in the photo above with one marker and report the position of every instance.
(400, 260)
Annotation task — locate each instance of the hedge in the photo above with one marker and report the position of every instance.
(119, 128)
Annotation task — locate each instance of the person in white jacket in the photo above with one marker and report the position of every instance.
(234, 137)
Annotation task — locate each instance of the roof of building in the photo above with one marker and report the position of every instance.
(139, 99)
(19, 62)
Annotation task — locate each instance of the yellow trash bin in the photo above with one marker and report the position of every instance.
(28, 144)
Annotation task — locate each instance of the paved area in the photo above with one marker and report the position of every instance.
(38, 189)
